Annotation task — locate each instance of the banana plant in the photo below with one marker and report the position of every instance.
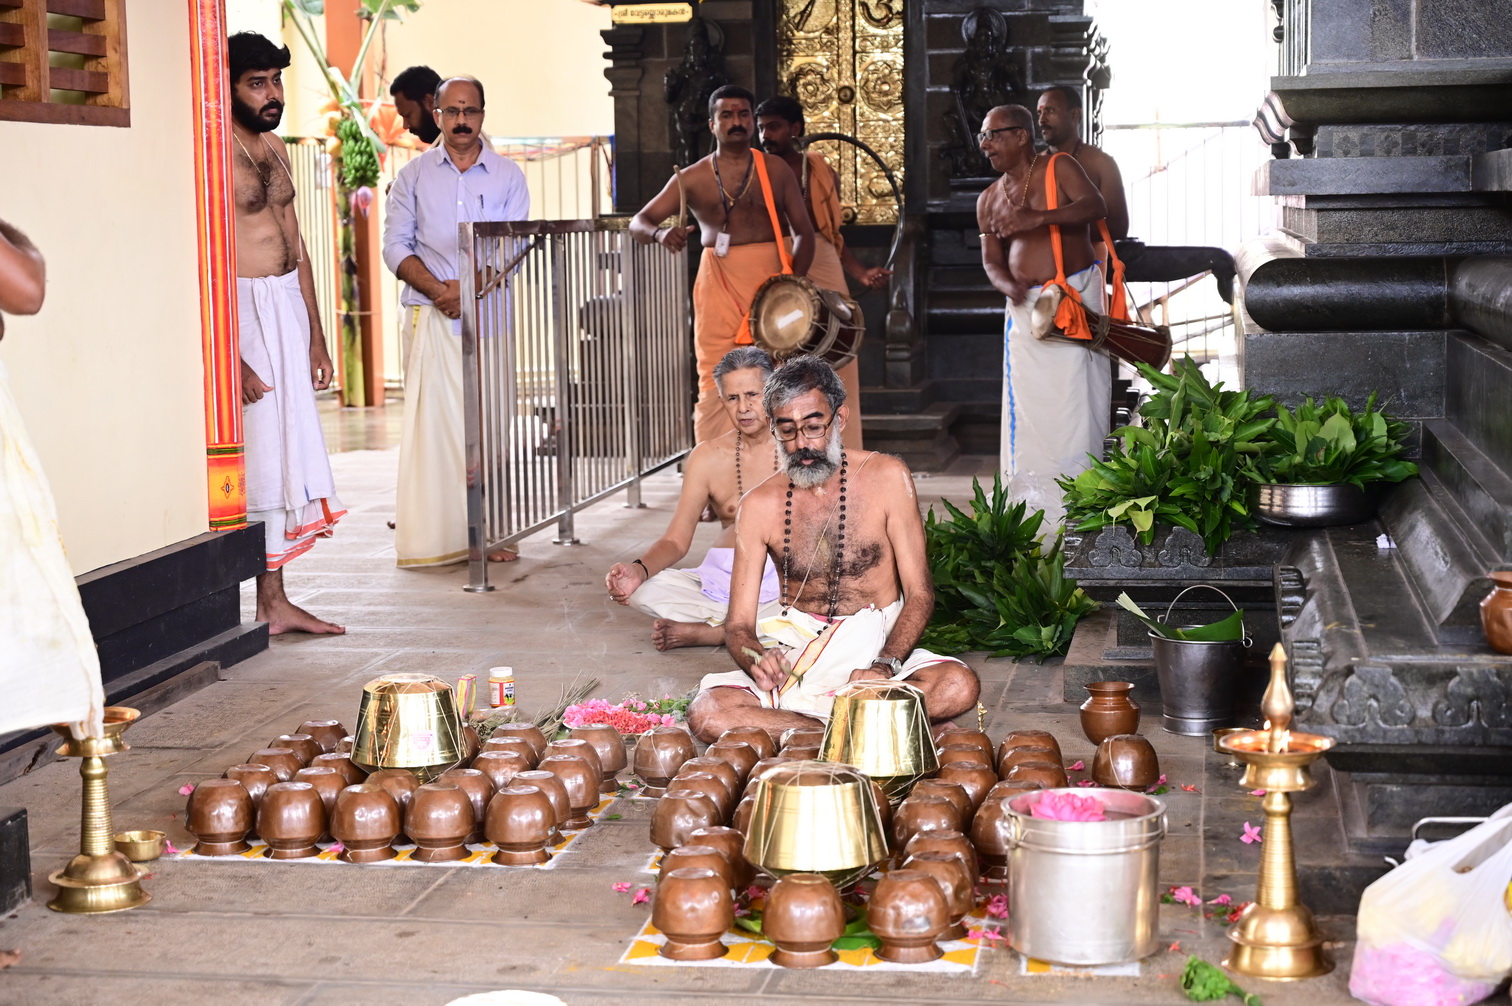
(356, 161)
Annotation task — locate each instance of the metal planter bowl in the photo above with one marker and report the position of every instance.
(1313, 505)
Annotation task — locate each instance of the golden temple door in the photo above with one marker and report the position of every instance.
(843, 61)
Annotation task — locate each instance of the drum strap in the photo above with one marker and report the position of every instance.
(743, 336)
(1118, 303)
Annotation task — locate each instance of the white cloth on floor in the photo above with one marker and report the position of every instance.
(702, 594)
(822, 662)
(430, 508)
(289, 481)
(49, 669)
(1056, 398)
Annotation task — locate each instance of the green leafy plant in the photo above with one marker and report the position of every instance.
(1183, 467)
(997, 588)
(1203, 982)
(1329, 443)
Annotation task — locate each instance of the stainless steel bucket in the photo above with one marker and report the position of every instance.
(1199, 682)
(1085, 892)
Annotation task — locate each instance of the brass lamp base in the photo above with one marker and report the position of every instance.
(1280, 944)
(94, 885)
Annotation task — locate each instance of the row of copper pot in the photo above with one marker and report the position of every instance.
(519, 801)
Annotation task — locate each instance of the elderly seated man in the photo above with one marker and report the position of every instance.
(844, 531)
(688, 605)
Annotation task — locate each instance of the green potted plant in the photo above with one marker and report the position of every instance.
(1325, 464)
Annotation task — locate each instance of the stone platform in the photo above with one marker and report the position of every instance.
(271, 933)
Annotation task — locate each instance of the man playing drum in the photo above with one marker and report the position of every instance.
(844, 532)
(689, 605)
(1056, 395)
(780, 121)
(740, 198)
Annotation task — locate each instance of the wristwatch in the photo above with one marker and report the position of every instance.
(892, 662)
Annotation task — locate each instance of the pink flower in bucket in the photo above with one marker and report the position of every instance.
(1067, 807)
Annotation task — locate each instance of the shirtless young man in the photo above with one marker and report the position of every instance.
(283, 352)
(844, 531)
(1055, 394)
(1060, 122)
(740, 249)
(689, 604)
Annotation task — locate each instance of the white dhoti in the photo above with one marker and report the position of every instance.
(430, 510)
(822, 663)
(289, 484)
(49, 669)
(1056, 397)
(702, 594)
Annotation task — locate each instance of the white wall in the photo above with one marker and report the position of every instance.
(109, 375)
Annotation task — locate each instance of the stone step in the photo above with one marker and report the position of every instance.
(1478, 374)
(1481, 489)
(1443, 560)
(922, 439)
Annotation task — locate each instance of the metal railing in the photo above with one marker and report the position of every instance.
(577, 373)
(315, 208)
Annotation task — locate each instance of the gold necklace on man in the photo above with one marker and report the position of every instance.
(1024, 189)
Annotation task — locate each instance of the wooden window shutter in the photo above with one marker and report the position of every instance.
(64, 61)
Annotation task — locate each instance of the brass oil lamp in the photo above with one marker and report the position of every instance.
(99, 879)
(1275, 937)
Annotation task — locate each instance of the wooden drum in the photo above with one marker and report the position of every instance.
(790, 316)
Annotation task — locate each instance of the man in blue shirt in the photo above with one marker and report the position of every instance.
(462, 179)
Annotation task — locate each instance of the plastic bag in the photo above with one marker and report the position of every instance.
(1436, 931)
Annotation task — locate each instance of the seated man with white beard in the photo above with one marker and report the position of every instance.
(844, 530)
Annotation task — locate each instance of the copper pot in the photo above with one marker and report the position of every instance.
(581, 778)
(439, 820)
(659, 754)
(283, 761)
(520, 822)
(1028, 738)
(708, 784)
(705, 856)
(804, 736)
(345, 745)
(1027, 752)
(401, 785)
(952, 791)
(964, 752)
(366, 823)
(738, 753)
(802, 752)
(679, 814)
(741, 819)
(342, 764)
(730, 844)
(975, 779)
(992, 833)
(1496, 612)
(759, 768)
(582, 749)
(951, 842)
(478, 789)
(255, 778)
(761, 742)
(692, 908)
(528, 731)
(303, 746)
(471, 744)
(923, 813)
(501, 766)
(610, 747)
(720, 769)
(955, 735)
(1125, 761)
(885, 811)
(954, 879)
(1109, 710)
(803, 916)
(327, 782)
(515, 743)
(1044, 774)
(291, 820)
(556, 795)
(220, 813)
(908, 912)
(326, 733)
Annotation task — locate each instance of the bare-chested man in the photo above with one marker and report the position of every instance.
(283, 352)
(1055, 394)
(844, 531)
(740, 250)
(1060, 122)
(689, 604)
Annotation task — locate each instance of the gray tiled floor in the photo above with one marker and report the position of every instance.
(228, 933)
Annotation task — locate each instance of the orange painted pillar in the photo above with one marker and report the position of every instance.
(211, 94)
